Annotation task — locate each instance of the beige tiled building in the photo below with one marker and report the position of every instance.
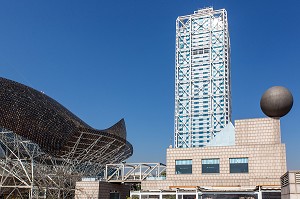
(257, 158)
(100, 190)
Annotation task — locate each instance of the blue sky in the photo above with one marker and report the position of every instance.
(107, 60)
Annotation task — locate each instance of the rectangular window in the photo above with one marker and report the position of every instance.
(206, 50)
(183, 166)
(114, 195)
(211, 166)
(238, 165)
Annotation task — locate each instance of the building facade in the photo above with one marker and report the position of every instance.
(258, 158)
(202, 77)
(101, 190)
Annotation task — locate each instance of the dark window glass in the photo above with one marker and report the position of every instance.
(114, 196)
(231, 196)
(183, 166)
(206, 50)
(273, 195)
(238, 165)
(211, 166)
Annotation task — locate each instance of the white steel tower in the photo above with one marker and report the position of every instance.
(202, 77)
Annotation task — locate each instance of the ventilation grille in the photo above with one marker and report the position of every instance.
(297, 177)
(285, 180)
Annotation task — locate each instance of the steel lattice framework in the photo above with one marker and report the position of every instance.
(28, 172)
(134, 172)
(45, 149)
(202, 77)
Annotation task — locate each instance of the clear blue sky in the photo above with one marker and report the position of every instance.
(105, 60)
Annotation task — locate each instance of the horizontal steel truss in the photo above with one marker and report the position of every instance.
(134, 172)
(28, 172)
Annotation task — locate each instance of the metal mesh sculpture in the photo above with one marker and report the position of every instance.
(46, 147)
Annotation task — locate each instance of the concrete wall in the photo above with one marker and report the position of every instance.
(290, 183)
(257, 131)
(99, 190)
(256, 139)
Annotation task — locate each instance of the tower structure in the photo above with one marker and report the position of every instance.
(202, 77)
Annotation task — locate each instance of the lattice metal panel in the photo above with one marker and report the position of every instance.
(284, 180)
(202, 79)
(297, 177)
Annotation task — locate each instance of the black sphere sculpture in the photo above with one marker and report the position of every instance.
(277, 101)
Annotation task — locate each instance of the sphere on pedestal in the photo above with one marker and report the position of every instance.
(277, 101)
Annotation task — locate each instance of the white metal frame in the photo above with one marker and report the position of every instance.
(26, 171)
(134, 172)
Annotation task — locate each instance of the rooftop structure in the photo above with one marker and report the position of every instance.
(202, 77)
